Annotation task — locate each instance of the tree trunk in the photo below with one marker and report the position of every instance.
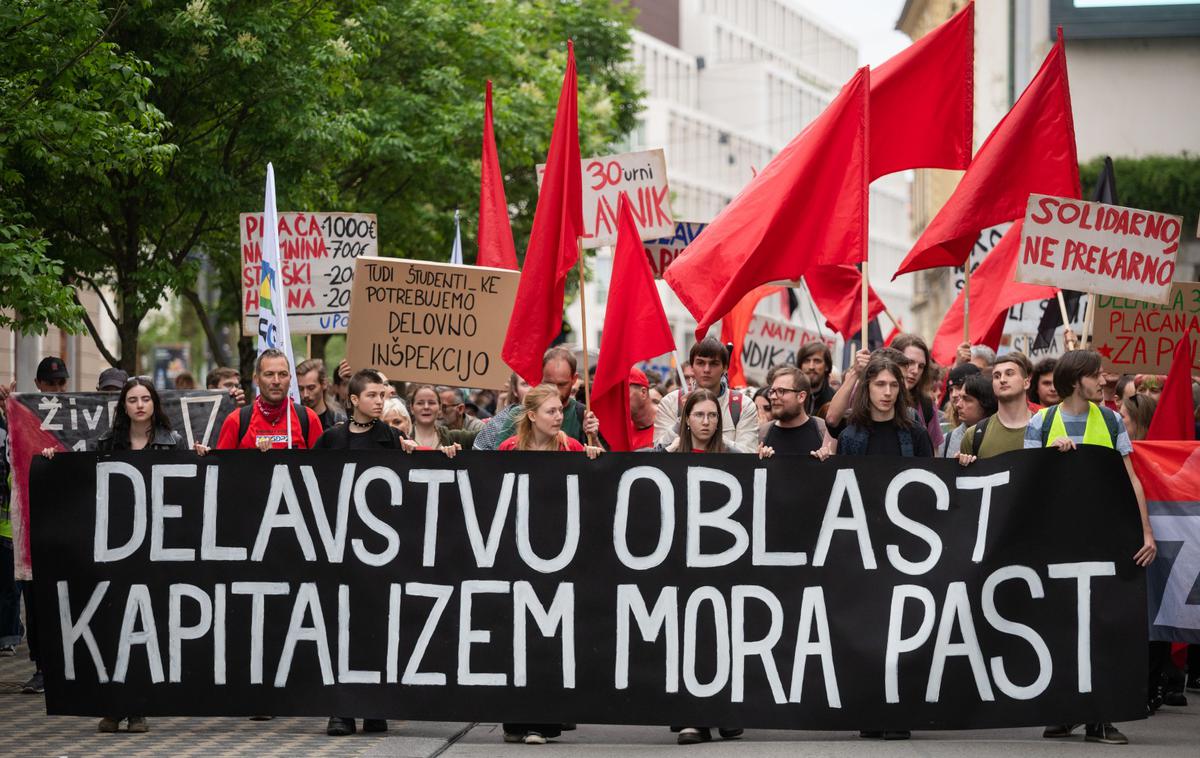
(216, 347)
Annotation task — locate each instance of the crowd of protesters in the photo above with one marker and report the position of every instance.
(891, 401)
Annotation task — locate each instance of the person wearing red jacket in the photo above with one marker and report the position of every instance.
(265, 423)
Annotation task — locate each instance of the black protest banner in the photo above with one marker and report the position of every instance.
(75, 420)
(857, 593)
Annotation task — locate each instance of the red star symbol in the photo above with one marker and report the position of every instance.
(1105, 350)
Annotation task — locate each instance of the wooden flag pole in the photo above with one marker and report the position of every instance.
(865, 307)
(587, 390)
(967, 301)
(1089, 313)
(308, 346)
(1062, 308)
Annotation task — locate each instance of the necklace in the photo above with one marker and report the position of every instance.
(360, 425)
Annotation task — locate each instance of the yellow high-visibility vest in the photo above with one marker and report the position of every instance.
(1095, 433)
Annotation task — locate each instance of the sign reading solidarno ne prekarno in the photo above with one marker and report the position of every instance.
(654, 589)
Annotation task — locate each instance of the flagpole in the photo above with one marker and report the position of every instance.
(967, 302)
(1062, 308)
(865, 307)
(587, 391)
(1089, 313)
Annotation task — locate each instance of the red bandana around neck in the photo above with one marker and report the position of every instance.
(271, 413)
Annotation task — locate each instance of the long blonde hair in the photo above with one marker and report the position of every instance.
(533, 400)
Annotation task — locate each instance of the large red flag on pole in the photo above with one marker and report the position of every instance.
(1175, 417)
(922, 100)
(837, 291)
(993, 292)
(635, 329)
(807, 207)
(496, 246)
(553, 243)
(1031, 150)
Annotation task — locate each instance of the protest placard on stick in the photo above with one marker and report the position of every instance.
(1136, 337)
(664, 250)
(317, 252)
(774, 342)
(1095, 247)
(419, 321)
(641, 177)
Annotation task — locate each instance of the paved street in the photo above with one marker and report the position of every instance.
(1173, 733)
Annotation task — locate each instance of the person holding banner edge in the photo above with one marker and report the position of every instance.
(560, 369)
(271, 422)
(139, 423)
(709, 360)
(1080, 419)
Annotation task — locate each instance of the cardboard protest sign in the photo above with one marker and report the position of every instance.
(633, 589)
(641, 177)
(774, 342)
(1136, 337)
(1095, 247)
(317, 252)
(664, 250)
(439, 323)
(74, 421)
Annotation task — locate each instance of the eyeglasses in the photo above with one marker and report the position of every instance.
(703, 415)
(779, 391)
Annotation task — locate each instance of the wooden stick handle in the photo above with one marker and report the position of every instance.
(865, 306)
(587, 390)
(1062, 308)
(967, 301)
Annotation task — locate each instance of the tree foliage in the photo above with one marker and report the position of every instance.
(361, 106)
(1163, 183)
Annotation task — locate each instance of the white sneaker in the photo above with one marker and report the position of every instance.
(534, 738)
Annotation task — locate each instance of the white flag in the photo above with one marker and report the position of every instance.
(456, 251)
(273, 329)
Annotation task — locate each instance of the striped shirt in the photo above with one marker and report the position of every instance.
(1074, 426)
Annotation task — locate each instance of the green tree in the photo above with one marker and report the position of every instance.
(1163, 183)
(74, 113)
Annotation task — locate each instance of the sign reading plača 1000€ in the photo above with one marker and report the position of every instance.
(435, 323)
(1099, 248)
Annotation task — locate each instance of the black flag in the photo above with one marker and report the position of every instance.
(1106, 192)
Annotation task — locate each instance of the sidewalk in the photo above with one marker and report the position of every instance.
(30, 732)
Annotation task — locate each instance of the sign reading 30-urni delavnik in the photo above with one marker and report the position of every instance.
(708, 589)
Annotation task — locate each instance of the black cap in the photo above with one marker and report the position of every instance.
(50, 368)
(112, 379)
(958, 374)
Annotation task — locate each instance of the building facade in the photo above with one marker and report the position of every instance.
(728, 84)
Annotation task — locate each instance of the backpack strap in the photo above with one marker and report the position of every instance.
(977, 442)
(1047, 420)
(1110, 420)
(302, 415)
(244, 421)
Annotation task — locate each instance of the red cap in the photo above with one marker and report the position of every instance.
(638, 377)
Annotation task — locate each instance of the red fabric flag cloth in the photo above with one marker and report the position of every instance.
(736, 323)
(1031, 150)
(808, 207)
(553, 242)
(495, 238)
(635, 329)
(922, 100)
(26, 439)
(1175, 417)
(993, 292)
(837, 292)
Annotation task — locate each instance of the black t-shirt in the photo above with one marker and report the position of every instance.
(818, 398)
(798, 440)
(331, 417)
(362, 441)
(885, 440)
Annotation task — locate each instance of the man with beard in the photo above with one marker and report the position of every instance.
(793, 431)
(815, 360)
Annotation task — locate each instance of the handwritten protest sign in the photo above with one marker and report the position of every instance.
(431, 322)
(317, 251)
(664, 250)
(641, 177)
(774, 342)
(1095, 247)
(1136, 337)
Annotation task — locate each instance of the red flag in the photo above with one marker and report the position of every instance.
(837, 292)
(1175, 417)
(924, 95)
(1031, 150)
(635, 329)
(993, 292)
(496, 246)
(807, 207)
(553, 243)
(736, 323)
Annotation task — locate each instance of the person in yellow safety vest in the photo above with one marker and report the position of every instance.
(1080, 420)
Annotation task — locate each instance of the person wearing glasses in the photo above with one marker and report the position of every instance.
(792, 430)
